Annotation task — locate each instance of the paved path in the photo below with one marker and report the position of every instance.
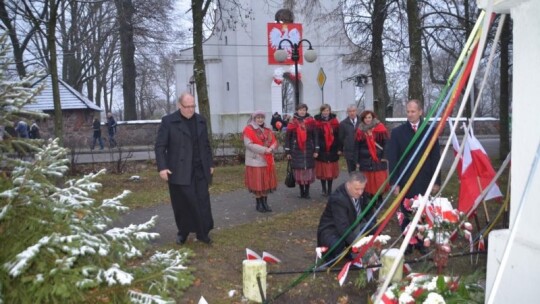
(238, 207)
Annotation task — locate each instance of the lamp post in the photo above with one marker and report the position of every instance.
(281, 55)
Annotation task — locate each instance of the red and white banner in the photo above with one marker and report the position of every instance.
(343, 273)
(252, 255)
(276, 32)
(270, 258)
(475, 172)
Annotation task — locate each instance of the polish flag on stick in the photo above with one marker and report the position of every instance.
(270, 258)
(252, 255)
(343, 273)
(475, 172)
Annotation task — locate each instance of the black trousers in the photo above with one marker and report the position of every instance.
(351, 165)
(191, 206)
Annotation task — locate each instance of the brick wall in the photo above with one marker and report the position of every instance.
(78, 129)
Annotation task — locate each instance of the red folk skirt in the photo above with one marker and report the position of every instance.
(259, 179)
(374, 180)
(304, 176)
(326, 170)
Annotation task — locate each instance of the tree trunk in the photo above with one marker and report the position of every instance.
(381, 98)
(51, 41)
(415, 52)
(198, 10)
(127, 51)
(504, 105)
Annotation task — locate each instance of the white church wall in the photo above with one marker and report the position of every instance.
(239, 58)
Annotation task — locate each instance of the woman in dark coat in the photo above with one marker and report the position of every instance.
(371, 138)
(326, 163)
(301, 148)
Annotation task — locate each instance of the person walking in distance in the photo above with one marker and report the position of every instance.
(184, 159)
(400, 138)
(111, 128)
(347, 137)
(96, 127)
(371, 137)
(260, 174)
(301, 148)
(326, 163)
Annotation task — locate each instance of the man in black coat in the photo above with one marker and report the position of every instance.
(341, 212)
(347, 137)
(184, 160)
(399, 140)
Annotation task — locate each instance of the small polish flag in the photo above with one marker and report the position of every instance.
(481, 244)
(406, 268)
(252, 255)
(269, 258)
(202, 300)
(343, 273)
(320, 251)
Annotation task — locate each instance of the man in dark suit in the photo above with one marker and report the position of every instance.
(399, 140)
(344, 205)
(184, 160)
(347, 137)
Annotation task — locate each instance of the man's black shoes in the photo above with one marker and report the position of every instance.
(205, 239)
(181, 239)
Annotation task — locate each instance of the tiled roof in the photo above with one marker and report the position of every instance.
(70, 99)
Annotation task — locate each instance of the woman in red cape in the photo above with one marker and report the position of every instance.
(301, 148)
(260, 177)
(371, 138)
(326, 164)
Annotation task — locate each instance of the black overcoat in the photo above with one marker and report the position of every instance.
(301, 159)
(174, 149)
(399, 139)
(339, 215)
(347, 137)
(332, 154)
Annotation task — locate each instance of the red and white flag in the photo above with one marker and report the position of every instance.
(475, 172)
(343, 273)
(269, 258)
(252, 255)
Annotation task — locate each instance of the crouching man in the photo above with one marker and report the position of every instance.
(344, 205)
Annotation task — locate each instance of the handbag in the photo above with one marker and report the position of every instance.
(289, 178)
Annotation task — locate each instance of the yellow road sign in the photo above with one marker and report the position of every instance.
(321, 78)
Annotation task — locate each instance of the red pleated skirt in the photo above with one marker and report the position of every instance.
(304, 176)
(374, 180)
(258, 179)
(326, 170)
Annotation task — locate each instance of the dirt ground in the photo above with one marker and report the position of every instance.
(292, 238)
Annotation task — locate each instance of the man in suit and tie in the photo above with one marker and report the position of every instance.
(184, 160)
(399, 140)
(344, 205)
(347, 137)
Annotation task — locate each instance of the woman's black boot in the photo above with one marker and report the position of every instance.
(323, 185)
(329, 187)
(306, 192)
(260, 207)
(302, 191)
(265, 204)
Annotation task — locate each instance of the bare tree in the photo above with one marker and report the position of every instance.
(8, 16)
(125, 11)
(53, 64)
(415, 51)
(166, 79)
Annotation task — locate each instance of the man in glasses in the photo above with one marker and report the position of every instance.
(184, 160)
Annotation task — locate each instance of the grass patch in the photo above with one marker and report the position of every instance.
(150, 190)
